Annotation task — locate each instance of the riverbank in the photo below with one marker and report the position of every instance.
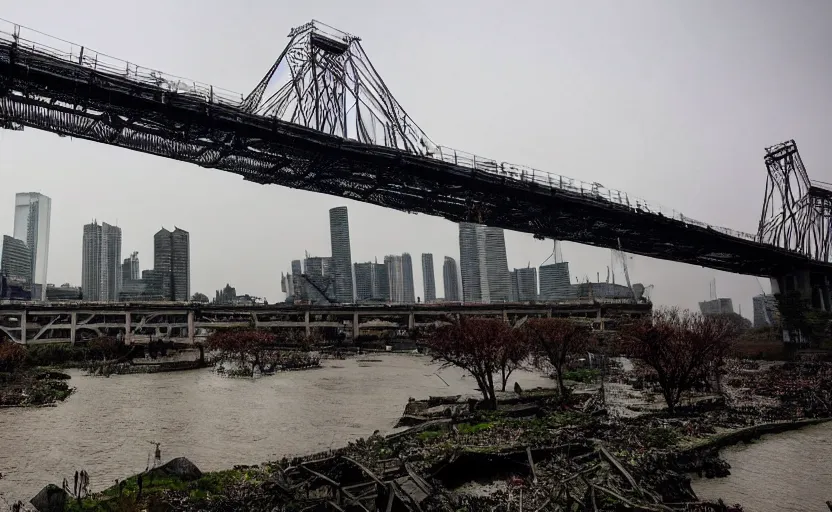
(555, 451)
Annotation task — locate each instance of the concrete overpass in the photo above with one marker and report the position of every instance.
(40, 323)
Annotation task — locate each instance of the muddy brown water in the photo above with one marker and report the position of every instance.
(107, 426)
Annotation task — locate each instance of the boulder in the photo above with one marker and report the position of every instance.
(50, 499)
(179, 467)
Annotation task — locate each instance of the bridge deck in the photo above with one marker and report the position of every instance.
(48, 92)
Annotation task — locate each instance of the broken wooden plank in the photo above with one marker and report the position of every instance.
(531, 464)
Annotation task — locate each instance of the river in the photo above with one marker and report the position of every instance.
(106, 428)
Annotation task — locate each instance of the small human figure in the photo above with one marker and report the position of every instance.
(157, 458)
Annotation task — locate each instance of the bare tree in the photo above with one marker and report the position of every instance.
(476, 346)
(681, 347)
(554, 340)
(513, 351)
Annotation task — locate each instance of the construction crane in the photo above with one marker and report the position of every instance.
(626, 272)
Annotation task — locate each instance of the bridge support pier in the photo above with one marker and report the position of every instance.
(128, 328)
(23, 328)
(73, 323)
(191, 329)
(356, 330)
(813, 287)
(306, 325)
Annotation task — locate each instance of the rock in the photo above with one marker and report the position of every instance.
(179, 467)
(50, 499)
(517, 388)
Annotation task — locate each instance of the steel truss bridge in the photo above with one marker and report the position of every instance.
(322, 119)
(38, 323)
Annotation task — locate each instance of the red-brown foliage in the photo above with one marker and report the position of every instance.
(476, 345)
(554, 340)
(244, 346)
(12, 356)
(683, 348)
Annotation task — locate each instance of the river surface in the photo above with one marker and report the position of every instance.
(106, 427)
(789, 472)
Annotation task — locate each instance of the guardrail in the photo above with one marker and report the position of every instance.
(100, 62)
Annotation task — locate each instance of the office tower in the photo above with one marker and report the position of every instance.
(381, 282)
(765, 310)
(407, 277)
(297, 270)
(172, 262)
(716, 307)
(496, 265)
(16, 261)
(428, 277)
(554, 282)
(363, 281)
(318, 266)
(525, 284)
(395, 278)
(101, 265)
(32, 213)
(515, 293)
(339, 235)
(471, 259)
(130, 270)
(450, 278)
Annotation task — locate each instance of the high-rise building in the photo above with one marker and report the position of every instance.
(471, 259)
(172, 262)
(450, 278)
(428, 277)
(765, 310)
(716, 306)
(395, 278)
(407, 277)
(496, 265)
(525, 284)
(515, 293)
(554, 282)
(101, 265)
(371, 282)
(16, 261)
(32, 213)
(297, 270)
(130, 270)
(339, 234)
(318, 266)
(485, 276)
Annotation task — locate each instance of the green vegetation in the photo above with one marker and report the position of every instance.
(582, 375)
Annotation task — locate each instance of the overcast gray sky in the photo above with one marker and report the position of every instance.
(669, 101)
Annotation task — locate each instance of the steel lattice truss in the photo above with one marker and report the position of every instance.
(334, 128)
(324, 80)
(797, 214)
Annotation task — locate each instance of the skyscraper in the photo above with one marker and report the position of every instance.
(297, 270)
(407, 278)
(515, 292)
(172, 263)
(318, 266)
(339, 235)
(130, 268)
(554, 282)
(525, 282)
(395, 278)
(32, 213)
(101, 265)
(482, 252)
(450, 278)
(428, 277)
(16, 261)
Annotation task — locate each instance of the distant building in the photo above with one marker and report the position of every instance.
(371, 282)
(172, 260)
(130, 268)
(554, 282)
(318, 289)
(395, 277)
(226, 295)
(485, 275)
(297, 270)
(101, 264)
(16, 260)
(287, 286)
(318, 266)
(65, 292)
(407, 277)
(32, 214)
(496, 265)
(716, 306)
(524, 284)
(339, 232)
(601, 291)
(450, 279)
(428, 277)
(765, 310)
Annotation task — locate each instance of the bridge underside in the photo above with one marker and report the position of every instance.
(47, 93)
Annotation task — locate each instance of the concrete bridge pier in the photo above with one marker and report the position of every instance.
(812, 286)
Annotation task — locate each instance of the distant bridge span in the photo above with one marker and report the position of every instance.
(334, 128)
(33, 323)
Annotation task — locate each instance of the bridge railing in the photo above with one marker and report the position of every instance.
(96, 61)
(592, 191)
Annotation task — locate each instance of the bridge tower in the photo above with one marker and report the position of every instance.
(797, 216)
(323, 80)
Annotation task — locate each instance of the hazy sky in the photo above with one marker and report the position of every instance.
(670, 101)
